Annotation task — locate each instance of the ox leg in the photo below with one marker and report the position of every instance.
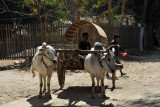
(44, 88)
(102, 89)
(97, 84)
(93, 86)
(48, 85)
(113, 79)
(41, 84)
(33, 73)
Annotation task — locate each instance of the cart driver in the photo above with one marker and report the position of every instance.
(84, 44)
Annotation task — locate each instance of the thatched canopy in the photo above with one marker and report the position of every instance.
(75, 26)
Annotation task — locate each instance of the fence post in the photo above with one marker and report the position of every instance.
(98, 19)
(7, 39)
(122, 11)
(78, 15)
(109, 11)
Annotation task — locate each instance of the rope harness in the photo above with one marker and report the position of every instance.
(43, 60)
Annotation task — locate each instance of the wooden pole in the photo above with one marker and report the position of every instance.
(39, 19)
(122, 11)
(109, 11)
(78, 51)
(98, 19)
(7, 40)
(78, 15)
(143, 27)
(45, 31)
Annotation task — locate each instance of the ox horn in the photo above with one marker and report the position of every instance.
(44, 45)
(110, 47)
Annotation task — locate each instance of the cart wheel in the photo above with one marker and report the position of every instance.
(61, 77)
(61, 74)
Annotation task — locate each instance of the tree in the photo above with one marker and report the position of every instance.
(16, 11)
(135, 9)
(45, 10)
(11, 12)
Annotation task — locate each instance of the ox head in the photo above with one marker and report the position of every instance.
(49, 53)
(98, 46)
(110, 59)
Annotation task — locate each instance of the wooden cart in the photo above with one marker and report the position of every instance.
(72, 58)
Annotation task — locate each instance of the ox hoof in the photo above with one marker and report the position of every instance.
(122, 74)
(112, 89)
(104, 96)
(61, 86)
(49, 96)
(98, 88)
(44, 91)
(40, 96)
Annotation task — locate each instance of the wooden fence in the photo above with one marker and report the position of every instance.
(129, 36)
(20, 41)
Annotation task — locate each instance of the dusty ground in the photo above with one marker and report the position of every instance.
(139, 88)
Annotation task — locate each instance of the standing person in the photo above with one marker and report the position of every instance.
(115, 41)
(84, 44)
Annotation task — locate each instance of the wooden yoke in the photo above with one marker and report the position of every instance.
(79, 51)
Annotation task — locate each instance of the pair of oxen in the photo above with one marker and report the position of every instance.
(97, 65)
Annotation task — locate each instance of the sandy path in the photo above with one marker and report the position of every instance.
(140, 88)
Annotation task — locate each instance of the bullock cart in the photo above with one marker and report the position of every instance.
(72, 58)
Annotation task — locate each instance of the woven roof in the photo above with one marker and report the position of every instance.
(75, 26)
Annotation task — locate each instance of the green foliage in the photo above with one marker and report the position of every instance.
(60, 9)
(53, 9)
(133, 9)
(14, 12)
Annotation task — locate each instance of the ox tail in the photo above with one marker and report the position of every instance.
(33, 73)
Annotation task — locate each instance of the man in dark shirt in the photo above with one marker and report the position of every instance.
(118, 48)
(84, 44)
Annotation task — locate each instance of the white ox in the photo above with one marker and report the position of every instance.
(97, 65)
(44, 62)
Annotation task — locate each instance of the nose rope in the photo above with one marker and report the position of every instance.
(43, 60)
(48, 57)
(100, 61)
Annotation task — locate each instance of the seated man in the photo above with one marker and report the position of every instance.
(84, 44)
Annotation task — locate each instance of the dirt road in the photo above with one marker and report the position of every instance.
(139, 88)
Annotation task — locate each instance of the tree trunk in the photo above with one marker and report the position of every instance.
(109, 11)
(122, 11)
(143, 27)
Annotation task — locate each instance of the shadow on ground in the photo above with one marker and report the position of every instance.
(36, 102)
(76, 94)
(150, 100)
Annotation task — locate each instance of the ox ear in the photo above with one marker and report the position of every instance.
(44, 45)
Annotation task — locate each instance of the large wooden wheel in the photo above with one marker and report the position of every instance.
(60, 72)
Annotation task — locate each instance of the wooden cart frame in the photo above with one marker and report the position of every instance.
(70, 59)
